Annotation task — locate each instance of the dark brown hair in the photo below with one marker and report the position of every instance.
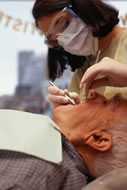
(95, 13)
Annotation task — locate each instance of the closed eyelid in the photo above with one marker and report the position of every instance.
(63, 16)
(60, 24)
(59, 20)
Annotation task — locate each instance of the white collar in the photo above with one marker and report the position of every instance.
(30, 133)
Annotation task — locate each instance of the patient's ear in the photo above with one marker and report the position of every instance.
(99, 140)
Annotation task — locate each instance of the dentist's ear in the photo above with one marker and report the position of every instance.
(99, 140)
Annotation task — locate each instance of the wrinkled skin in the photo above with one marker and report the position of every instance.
(78, 121)
(114, 180)
(86, 125)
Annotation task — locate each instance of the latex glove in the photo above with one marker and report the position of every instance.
(56, 96)
(107, 72)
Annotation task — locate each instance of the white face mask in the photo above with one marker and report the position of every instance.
(77, 39)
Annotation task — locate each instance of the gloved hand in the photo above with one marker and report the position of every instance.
(56, 96)
(107, 72)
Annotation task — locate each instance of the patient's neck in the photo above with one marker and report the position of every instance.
(88, 156)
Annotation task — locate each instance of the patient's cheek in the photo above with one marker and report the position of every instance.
(59, 116)
(61, 113)
(93, 114)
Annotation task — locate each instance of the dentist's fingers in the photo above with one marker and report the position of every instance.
(56, 96)
(73, 95)
(55, 90)
(89, 76)
(57, 100)
(96, 84)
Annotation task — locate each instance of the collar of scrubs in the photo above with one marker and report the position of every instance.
(30, 133)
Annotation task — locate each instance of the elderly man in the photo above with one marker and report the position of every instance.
(98, 130)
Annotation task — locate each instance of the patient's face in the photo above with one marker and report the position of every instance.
(80, 120)
(87, 125)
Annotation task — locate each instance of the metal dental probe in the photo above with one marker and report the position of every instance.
(66, 96)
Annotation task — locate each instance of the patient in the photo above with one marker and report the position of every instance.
(98, 130)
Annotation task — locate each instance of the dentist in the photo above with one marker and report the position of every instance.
(79, 33)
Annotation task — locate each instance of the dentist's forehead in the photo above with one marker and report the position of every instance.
(44, 22)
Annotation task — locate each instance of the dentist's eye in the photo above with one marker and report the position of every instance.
(61, 24)
(65, 24)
